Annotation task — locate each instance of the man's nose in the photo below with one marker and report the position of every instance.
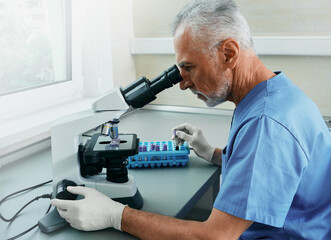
(185, 83)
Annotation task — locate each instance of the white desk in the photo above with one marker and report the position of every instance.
(167, 191)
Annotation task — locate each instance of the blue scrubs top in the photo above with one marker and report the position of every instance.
(276, 167)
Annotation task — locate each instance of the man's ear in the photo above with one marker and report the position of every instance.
(229, 50)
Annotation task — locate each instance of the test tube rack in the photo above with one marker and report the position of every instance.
(159, 154)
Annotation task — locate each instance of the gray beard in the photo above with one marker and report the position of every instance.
(219, 96)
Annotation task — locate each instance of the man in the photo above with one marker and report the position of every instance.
(276, 167)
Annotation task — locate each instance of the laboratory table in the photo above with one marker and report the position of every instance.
(171, 191)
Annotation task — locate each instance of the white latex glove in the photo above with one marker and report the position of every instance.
(96, 211)
(194, 137)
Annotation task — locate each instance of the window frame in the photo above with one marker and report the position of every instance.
(23, 101)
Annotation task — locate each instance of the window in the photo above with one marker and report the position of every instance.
(79, 38)
(39, 66)
(34, 44)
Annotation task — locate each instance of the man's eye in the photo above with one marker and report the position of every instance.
(188, 68)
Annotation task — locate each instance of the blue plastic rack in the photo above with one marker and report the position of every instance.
(155, 154)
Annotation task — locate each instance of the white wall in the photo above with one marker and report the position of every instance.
(266, 18)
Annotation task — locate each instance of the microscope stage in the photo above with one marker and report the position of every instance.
(101, 145)
(127, 142)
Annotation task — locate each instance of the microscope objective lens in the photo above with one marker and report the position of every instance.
(105, 130)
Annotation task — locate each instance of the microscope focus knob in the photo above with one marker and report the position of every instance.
(63, 193)
(91, 170)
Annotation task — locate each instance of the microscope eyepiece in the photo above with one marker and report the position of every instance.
(167, 79)
(143, 91)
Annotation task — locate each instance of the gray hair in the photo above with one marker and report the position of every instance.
(212, 21)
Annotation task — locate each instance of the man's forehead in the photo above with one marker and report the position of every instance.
(183, 44)
(180, 45)
(181, 30)
(185, 52)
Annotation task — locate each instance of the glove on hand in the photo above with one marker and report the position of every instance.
(193, 135)
(96, 211)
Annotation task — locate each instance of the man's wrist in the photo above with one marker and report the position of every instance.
(128, 212)
(210, 153)
(116, 215)
(217, 157)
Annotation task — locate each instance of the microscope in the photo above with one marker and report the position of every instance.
(75, 162)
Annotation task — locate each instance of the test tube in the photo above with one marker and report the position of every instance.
(157, 149)
(140, 150)
(165, 148)
(145, 150)
(176, 140)
(152, 147)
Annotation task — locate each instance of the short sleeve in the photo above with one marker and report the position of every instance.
(261, 173)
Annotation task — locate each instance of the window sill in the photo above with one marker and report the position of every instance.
(30, 129)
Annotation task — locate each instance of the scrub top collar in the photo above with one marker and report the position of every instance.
(252, 93)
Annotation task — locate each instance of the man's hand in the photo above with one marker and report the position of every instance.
(96, 211)
(193, 135)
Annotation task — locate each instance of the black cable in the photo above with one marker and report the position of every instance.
(23, 190)
(21, 234)
(27, 204)
(86, 135)
(28, 230)
(18, 212)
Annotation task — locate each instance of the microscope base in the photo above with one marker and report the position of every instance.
(125, 193)
(53, 221)
(135, 201)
